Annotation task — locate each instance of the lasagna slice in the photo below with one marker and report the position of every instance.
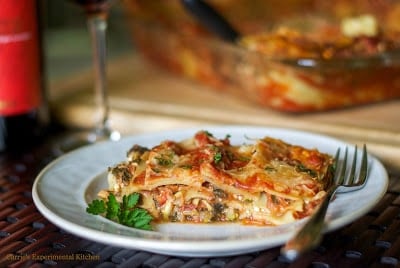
(205, 179)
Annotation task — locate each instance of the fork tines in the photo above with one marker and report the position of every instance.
(348, 175)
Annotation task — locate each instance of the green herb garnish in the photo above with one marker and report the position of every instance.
(186, 166)
(209, 134)
(302, 168)
(165, 162)
(96, 207)
(217, 157)
(126, 213)
(269, 168)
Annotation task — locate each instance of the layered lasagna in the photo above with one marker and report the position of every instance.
(205, 179)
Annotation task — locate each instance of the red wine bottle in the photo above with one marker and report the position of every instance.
(23, 110)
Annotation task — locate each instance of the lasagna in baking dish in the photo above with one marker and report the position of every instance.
(205, 179)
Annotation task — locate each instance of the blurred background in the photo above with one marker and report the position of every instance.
(143, 93)
(66, 38)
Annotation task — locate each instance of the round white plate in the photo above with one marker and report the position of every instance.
(63, 189)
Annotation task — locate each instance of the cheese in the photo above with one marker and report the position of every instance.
(361, 25)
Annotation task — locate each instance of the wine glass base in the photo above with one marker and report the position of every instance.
(102, 135)
(83, 138)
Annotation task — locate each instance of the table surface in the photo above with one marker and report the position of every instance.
(28, 239)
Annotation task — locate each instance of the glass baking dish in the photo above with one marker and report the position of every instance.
(167, 35)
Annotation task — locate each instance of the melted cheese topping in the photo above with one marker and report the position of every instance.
(205, 179)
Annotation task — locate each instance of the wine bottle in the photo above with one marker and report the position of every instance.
(23, 110)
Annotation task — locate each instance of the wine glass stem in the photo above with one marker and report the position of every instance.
(97, 24)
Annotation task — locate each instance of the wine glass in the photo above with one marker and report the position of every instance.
(96, 12)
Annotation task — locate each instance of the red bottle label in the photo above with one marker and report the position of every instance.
(19, 57)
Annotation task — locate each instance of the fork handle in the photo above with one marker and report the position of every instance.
(309, 236)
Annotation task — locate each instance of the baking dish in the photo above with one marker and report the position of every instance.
(167, 35)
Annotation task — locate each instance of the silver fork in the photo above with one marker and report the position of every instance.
(310, 235)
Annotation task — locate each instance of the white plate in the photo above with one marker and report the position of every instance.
(63, 189)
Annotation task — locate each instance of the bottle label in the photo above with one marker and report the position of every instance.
(20, 82)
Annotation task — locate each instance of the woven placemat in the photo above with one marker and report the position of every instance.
(27, 239)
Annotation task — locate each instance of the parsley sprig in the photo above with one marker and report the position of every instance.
(125, 212)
